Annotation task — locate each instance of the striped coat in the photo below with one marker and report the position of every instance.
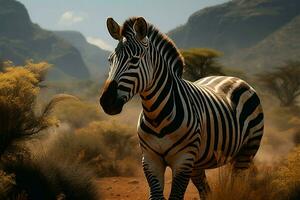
(187, 126)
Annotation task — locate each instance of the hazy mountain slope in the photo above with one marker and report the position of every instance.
(94, 57)
(235, 25)
(20, 40)
(282, 45)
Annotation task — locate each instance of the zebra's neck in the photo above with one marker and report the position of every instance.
(158, 100)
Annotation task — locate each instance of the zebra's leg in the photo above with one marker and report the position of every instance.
(200, 181)
(244, 158)
(181, 172)
(154, 169)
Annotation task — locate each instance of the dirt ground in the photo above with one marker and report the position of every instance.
(135, 188)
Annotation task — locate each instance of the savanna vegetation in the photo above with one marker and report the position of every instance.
(280, 181)
(53, 144)
(283, 82)
(201, 62)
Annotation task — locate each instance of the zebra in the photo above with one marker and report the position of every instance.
(187, 126)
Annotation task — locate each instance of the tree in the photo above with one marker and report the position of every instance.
(283, 82)
(201, 62)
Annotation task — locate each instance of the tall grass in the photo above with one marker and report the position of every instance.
(245, 185)
(281, 181)
(48, 177)
(288, 176)
(109, 148)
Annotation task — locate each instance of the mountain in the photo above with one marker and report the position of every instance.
(94, 57)
(280, 46)
(21, 40)
(235, 25)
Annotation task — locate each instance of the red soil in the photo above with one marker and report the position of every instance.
(135, 188)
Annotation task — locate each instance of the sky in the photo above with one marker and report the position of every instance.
(89, 16)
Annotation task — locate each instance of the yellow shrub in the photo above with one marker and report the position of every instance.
(19, 87)
(288, 175)
(77, 114)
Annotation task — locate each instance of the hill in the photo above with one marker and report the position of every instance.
(20, 40)
(94, 57)
(235, 25)
(280, 46)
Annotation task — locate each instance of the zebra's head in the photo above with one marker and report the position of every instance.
(130, 66)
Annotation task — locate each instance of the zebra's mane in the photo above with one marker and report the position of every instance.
(174, 58)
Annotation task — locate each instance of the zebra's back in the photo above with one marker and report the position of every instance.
(234, 124)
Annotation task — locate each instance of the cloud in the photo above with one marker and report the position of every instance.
(100, 43)
(69, 18)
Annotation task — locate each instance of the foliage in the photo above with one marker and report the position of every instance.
(19, 87)
(76, 113)
(280, 181)
(104, 145)
(18, 91)
(201, 63)
(6, 185)
(288, 176)
(47, 177)
(283, 82)
(42, 176)
(245, 185)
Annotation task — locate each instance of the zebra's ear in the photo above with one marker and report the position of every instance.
(113, 28)
(140, 27)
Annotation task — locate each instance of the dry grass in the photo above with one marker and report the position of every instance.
(7, 183)
(109, 148)
(46, 177)
(287, 178)
(246, 185)
(77, 114)
(281, 181)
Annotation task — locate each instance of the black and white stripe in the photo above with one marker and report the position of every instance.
(187, 126)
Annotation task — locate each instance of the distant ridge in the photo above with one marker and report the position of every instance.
(20, 40)
(244, 27)
(280, 46)
(94, 57)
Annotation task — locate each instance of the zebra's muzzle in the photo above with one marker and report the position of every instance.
(109, 100)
